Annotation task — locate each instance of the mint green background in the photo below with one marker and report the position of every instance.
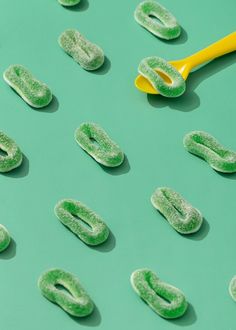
(150, 131)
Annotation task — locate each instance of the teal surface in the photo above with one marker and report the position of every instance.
(150, 131)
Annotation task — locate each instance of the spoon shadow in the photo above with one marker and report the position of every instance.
(190, 100)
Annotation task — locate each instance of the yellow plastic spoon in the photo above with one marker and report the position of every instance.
(185, 66)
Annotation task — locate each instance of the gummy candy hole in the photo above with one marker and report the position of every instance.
(172, 204)
(3, 153)
(62, 288)
(83, 222)
(160, 293)
(164, 298)
(200, 140)
(155, 19)
(178, 210)
(94, 142)
(165, 77)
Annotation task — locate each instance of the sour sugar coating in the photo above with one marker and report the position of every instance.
(82, 221)
(232, 288)
(153, 68)
(95, 141)
(166, 300)
(207, 147)
(166, 28)
(32, 91)
(13, 157)
(74, 299)
(5, 238)
(181, 215)
(68, 3)
(84, 52)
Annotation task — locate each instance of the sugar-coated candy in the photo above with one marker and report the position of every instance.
(157, 19)
(13, 157)
(34, 92)
(74, 299)
(95, 141)
(181, 215)
(207, 147)
(153, 68)
(165, 299)
(84, 52)
(82, 221)
(68, 3)
(5, 238)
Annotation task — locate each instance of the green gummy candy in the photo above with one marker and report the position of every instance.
(87, 54)
(95, 141)
(5, 238)
(207, 147)
(82, 221)
(166, 28)
(74, 299)
(13, 156)
(166, 300)
(68, 3)
(151, 67)
(181, 215)
(232, 288)
(32, 91)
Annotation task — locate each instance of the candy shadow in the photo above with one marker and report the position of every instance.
(21, 171)
(10, 252)
(119, 170)
(178, 41)
(52, 107)
(104, 68)
(190, 100)
(187, 319)
(107, 246)
(231, 176)
(92, 320)
(201, 233)
(81, 6)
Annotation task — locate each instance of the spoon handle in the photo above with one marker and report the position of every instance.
(219, 48)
